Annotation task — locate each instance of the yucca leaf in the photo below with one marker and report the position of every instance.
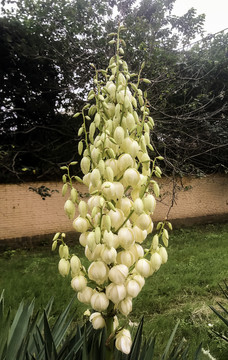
(61, 325)
(165, 354)
(47, 310)
(84, 349)
(77, 345)
(18, 329)
(136, 345)
(220, 335)
(222, 307)
(219, 315)
(198, 352)
(4, 329)
(225, 292)
(103, 337)
(149, 351)
(49, 342)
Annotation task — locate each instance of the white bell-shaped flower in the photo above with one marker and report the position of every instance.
(78, 283)
(85, 295)
(126, 237)
(108, 255)
(131, 177)
(125, 306)
(80, 224)
(155, 261)
(64, 267)
(163, 253)
(133, 288)
(143, 267)
(97, 320)
(115, 292)
(118, 274)
(99, 301)
(98, 272)
(125, 257)
(123, 341)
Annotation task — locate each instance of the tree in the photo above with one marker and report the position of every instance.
(48, 48)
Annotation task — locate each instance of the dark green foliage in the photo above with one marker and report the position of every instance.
(31, 337)
(45, 74)
(222, 314)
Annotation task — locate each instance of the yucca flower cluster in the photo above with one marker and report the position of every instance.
(116, 219)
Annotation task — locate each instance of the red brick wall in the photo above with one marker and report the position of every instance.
(23, 212)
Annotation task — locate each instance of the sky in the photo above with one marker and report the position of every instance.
(216, 12)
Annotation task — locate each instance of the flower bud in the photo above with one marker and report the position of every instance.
(163, 253)
(109, 175)
(97, 320)
(165, 237)
(155, 242)
(143, 267)
(75, 264)
(97, 234)
(125, 306)
(86, 179)
(69, 209)
(108, 238)
(87, 313)
(83, 239)
(78, 283)
(64, 267)
(80, 224)
(119, 135)
(123, 341)
(156, 189)
(82, 208)
(95, 177)
(138, 206)
(130, 121)
(74, 195)
(115, 292)
(90, 241)
(99, 301)
(155, 261)
(149, 203)
(117, 274)
(98, 272)
(95, 155)
(54, 245)
(85, 165)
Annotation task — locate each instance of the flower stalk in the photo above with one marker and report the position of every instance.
(117, 218)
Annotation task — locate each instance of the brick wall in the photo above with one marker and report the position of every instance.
(23, 213)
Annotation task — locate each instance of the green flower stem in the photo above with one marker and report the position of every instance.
(110, 335)
(125, 221)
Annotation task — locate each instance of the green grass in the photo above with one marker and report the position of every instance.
(182, 289)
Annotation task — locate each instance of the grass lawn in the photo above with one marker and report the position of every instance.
(182, 289)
